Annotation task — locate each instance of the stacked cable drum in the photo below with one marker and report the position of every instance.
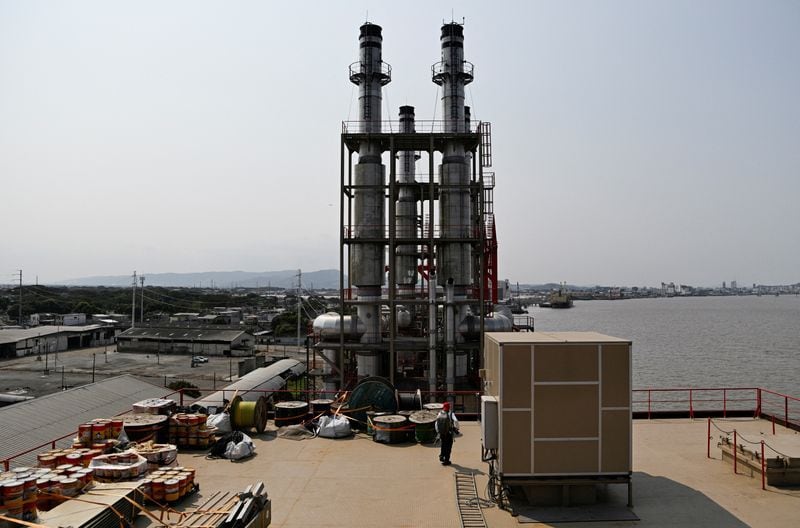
(190, 431)
(169, 485)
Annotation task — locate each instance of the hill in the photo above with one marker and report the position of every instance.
(325, 279)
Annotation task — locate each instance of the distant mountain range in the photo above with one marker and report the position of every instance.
(321, 279)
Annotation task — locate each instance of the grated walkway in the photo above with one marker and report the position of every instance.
(467, 500)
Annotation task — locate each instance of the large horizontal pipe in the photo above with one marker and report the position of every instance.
(329, 324)
(471, 325)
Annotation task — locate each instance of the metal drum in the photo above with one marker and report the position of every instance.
(290, 412)
(424, 425)
(390, 429)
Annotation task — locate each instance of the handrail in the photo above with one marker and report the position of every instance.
(465, 231)
(421, 126)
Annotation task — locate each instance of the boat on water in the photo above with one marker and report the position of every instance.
(558, 299)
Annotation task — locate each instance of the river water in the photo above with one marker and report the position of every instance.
(697, 341)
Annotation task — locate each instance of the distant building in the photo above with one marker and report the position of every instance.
(183, 316)
(204, 341)
(73, 319)
(41, 340)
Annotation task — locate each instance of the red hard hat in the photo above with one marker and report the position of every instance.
(446, 406)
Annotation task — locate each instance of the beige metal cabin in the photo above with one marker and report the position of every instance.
(563, 404)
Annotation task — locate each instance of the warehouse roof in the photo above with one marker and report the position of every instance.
(31, 423)
(18, 334)
(181, 334)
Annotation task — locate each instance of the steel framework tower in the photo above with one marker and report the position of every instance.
(425, 236)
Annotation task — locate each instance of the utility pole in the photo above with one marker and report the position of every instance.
(133, 302)
(141, 294)
(20, 297)
(299, 286)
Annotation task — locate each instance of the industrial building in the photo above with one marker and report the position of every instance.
(39, 340)
(204, 341)
(418, 248)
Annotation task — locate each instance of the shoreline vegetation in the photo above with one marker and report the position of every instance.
(160, 300)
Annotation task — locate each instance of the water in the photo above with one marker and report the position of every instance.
(697, 341)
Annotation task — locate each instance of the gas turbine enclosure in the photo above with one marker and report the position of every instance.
(564, 402)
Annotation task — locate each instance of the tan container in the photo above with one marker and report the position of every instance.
(563, 403)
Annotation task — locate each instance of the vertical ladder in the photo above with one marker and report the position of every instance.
(486, 144)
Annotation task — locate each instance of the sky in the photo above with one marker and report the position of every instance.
(634, 142)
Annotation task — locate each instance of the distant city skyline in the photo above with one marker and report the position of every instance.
(633, 142)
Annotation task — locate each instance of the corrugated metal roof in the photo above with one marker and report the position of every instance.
(180, 333)
(13, 335)
(30, 423)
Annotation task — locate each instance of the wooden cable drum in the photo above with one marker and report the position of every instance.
(424, 425)
(249, 414)
(390, 429)
(433, 406)
(370, 420)
(143, 427)
(321, 406)
(409, 401)
(290, 412)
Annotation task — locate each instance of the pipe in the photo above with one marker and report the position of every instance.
(450, 335)
(470, 326)
(328, 325)
(328, 377)
(432, 332)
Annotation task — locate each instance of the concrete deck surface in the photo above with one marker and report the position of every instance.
(357, 482)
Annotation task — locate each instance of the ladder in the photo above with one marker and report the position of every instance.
(467, 501)
(486, 143)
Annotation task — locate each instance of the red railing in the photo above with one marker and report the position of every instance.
(723, 401)
(691, 402)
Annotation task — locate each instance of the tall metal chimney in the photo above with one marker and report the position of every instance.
(370, 73)
(455, 211)
(406, 211)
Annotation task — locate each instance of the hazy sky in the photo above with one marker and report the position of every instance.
(634, 142)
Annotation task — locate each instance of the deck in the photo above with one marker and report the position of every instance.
(357, 482)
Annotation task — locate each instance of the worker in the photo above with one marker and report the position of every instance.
(446, 427)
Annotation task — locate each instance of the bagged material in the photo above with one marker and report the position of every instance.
(334, 427)
(239, 450)
(222, 421)
(296, 432)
